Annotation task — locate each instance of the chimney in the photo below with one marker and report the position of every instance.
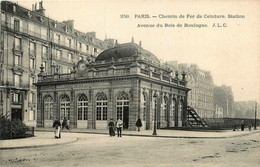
(41, 10)
(140, 43)
(32, 7)
(132, 39)
(40, 5)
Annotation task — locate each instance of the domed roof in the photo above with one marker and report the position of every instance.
(124, 51)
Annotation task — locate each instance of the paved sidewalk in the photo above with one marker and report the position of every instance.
(44, 138)
(165, 133)
(41, 139)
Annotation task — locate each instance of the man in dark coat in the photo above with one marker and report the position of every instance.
(242, 125)
(65, 123)
(138, 124)
(111, 126)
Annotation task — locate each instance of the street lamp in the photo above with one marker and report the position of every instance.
(255, 115)
(155, 108)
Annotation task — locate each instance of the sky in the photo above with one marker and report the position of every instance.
(231, 54)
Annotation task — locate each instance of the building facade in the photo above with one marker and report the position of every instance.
(200, 97)
(29, 39)
(223, 97)
(124, 82)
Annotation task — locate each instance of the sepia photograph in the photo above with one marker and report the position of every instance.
(130, 83)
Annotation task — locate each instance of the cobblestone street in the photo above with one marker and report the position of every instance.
(102, 150)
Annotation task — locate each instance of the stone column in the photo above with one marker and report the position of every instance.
(40, 111)
(133, 107)
(184, 110)
(90, 109)
(72, 108)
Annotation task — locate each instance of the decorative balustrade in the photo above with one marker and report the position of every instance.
(101, 73)
(166, 78)
(156, 75)
(174, 81)
(48, 77)
(145, 71)
(65, 76)
(123, 71)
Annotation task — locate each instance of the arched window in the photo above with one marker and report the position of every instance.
(83, 107)
(143, 107)
(65, 106)
(101, 106)
(48, 108)
(122, 102)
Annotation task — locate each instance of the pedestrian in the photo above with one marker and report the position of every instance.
(242, 125)
(249, 126)
(56, 125)
(138, 124)
(65, 123)
(119, 126)
(111, 126)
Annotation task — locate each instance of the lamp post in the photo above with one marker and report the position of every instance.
(255, 115)
(155, 108)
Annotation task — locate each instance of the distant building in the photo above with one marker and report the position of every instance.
(124, 82)
(223, 97)
(218, 112)
(29, 39)
(201, 84)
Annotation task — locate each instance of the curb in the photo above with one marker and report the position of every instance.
(184, 137)
(38, 146)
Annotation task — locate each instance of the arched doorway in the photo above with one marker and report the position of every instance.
(82, 108)
(48, 111)
(122, 108)
(65, 107)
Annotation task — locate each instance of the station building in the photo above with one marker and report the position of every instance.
(125, 82)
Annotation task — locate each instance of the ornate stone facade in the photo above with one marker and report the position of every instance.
(29, 39)
(124, 82)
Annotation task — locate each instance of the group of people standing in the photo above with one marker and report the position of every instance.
(242, 124)
(119, 125)
(112, 127)
(58, 126)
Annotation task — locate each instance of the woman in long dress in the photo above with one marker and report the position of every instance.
(57, 125)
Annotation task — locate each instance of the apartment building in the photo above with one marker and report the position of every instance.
(29, 39)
